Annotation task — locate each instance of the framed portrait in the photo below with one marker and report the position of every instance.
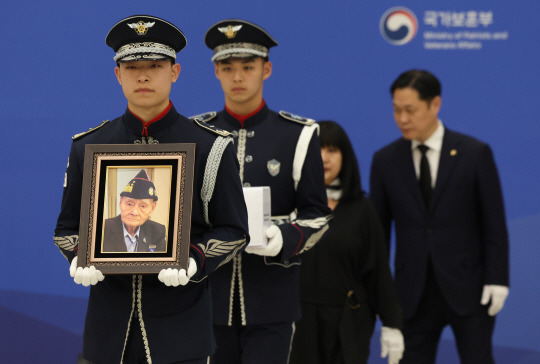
(136, 207)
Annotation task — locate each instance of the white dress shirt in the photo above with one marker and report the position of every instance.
(131, 241)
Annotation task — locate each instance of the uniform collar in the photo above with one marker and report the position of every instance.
(155, 126)
(251, 121)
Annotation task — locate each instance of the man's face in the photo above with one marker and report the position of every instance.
(417, 119)
(147, 84)
(242, 79)
(134, 212)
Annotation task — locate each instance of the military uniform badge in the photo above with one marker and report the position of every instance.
(273, 167)
(296, 118)
(205, 117)
(210, 127)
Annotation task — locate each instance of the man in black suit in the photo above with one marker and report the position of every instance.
(132, 231)
(442, 191)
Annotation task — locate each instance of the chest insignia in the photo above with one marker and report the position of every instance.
(273, 167)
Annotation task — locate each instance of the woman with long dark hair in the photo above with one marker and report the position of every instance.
(345, 279)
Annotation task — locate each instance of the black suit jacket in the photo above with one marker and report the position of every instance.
(151, 233)
(463, 230)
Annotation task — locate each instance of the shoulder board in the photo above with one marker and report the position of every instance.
(77, 136)
(211, 128)
(206, 117)
(296, 118)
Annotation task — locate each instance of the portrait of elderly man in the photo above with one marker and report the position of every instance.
(132, 230)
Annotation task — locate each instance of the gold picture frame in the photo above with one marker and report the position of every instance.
(159, 235)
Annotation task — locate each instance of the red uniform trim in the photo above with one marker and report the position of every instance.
(147, 124)
(242, 118)
(201, 253)
(301, 238)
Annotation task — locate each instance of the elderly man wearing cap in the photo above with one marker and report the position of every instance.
(132, 230)
(256, 296)
(151, 318)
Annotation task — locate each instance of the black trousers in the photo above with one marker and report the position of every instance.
(422, 332)
(135, 353)
(253, 344)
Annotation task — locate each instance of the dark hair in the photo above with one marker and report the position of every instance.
(332, 135)
(427, 85)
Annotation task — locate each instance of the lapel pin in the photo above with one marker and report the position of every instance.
(453, 152)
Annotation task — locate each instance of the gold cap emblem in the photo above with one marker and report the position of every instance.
(453, 152)
(141, 27)
(230, 30)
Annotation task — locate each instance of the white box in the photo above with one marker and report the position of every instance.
(259, 214)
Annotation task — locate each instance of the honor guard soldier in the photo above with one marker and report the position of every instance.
(256, 296)
(152, 318)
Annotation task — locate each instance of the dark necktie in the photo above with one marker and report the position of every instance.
(425, 175)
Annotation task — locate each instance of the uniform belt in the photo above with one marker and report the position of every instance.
(282, 219)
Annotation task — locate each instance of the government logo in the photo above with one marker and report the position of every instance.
(398, 25)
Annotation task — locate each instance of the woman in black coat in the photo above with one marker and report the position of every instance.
(345, 279)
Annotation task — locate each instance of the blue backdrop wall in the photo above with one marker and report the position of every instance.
(334, 61)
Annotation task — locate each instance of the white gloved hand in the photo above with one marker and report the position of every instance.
(85, 276)
(497, 295)
(275, 243)
(392, 344)
(175, 277)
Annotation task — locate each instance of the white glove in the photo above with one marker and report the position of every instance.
(497, 295)
(175, 277)
(85, 276)
(392, 344)
(275, 243)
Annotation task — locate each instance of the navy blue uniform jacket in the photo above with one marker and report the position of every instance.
(177, 321)
(268, 287)
(463, 230)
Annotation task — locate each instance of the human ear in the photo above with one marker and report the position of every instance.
(175, 71)
(117, 73)
(436, 103)
(267, 69)
(216, 70)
